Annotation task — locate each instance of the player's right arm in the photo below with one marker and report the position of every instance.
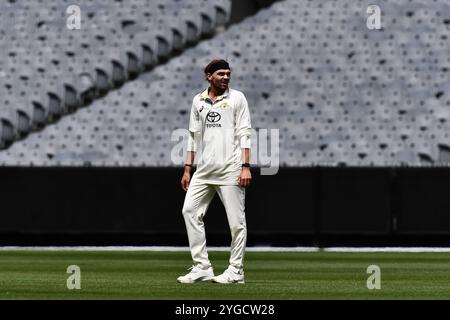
(190, 156)
(194, 128)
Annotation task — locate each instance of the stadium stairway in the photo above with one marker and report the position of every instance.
(49, 71)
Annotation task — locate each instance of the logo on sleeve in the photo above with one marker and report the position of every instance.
(213, 118)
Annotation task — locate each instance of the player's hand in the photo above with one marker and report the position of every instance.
(185, 181)
(245, 178)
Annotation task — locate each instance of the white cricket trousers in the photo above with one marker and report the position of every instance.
(196, 202)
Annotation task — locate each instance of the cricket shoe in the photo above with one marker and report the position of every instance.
(197, 273)
(231, 275)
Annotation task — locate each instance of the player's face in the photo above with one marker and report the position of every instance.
(220, 79)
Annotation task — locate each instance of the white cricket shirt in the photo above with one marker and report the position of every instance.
(219, 131)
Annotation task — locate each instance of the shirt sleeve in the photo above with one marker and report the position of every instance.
(243, 124)
(192, 143)
(194, 128)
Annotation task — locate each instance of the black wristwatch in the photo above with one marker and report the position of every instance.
(246, 165)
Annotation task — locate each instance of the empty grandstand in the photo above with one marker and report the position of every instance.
(338, 92)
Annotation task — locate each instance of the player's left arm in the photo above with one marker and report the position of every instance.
(243, 130)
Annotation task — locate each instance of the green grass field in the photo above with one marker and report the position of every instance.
(269, 275)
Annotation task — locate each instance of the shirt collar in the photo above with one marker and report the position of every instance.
(204, 95)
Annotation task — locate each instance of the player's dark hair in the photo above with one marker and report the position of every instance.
(215, 65)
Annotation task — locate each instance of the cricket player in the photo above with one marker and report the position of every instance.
(219, 133)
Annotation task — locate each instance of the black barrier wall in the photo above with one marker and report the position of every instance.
(297, 206)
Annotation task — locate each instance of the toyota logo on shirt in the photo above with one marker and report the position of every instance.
(213, 117)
